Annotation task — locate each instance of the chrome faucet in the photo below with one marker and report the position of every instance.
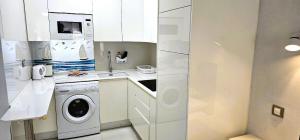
(109, 62)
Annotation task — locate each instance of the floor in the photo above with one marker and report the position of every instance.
(126, 133)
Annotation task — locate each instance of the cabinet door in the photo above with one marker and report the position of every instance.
(152, 134)
(150, 20)
(131, 100)
(165, 5)
(37, 20)
(13, 20)
(141, 124)
(133, 20)
(113, 101)
(174, 30)
(71, 6)
(107, 16)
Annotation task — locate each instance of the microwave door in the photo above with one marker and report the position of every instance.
(64, 27)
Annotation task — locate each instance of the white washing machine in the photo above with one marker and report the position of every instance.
(77, 109)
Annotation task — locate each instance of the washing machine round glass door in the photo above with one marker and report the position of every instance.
(78, 108)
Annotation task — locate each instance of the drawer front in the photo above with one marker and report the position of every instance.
(141, 125)
(143, 108)
(143, 97)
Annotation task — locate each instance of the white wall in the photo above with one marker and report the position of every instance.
(276, 76)
(222, 49)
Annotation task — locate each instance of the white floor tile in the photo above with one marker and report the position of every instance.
(126, 133)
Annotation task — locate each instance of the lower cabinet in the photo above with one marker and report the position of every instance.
(141, 111)
(113, 100)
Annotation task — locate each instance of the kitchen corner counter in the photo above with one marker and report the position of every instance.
(33, 101)
(134, 76)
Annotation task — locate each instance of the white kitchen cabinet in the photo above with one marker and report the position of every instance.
(113, 100)
(174, 30)
(150, 20)
(172, 110)
(142, 111)
(125, 20)
(166, 5)
(13, 20)
(133, 20)
(37, 20)
(71, 6)
(107, 15)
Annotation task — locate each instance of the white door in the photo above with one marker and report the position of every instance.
(13, 20)
(107, 20)
(133, 20)
(174, 30)
(71, 6)
(37, 20)
(113, 101)
(150, 20)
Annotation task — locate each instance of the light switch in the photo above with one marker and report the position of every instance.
(278, 111)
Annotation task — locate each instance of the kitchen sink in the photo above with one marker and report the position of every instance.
(150, 84)
(112, 74)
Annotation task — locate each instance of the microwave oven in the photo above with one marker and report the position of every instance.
(70, 26)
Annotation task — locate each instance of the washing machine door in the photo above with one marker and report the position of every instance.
(78, 109)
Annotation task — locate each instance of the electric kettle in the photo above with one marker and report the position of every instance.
(38, 72)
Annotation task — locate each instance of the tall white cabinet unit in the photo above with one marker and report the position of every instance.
(172, 69)
(37, 20)
(107, 20)
(71, 6)
(13, 20)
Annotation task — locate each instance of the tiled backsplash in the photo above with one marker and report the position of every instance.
(65, 55)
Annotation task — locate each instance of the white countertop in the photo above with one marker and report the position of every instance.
(134, 76)
(131, 74)
(33, 101)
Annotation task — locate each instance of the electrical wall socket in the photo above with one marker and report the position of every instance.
(278, 111)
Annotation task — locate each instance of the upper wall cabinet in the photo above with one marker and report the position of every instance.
(37, 20)
(150, 20)
(13, 20)
(166, 5)
(125, 20)
(139, 20)
(107, 20)
(133, 20)
(174, 30)
(71, 6)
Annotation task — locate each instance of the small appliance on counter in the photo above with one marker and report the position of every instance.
(48, 57)
(49, 70)
(146, 69)
(38, 72)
